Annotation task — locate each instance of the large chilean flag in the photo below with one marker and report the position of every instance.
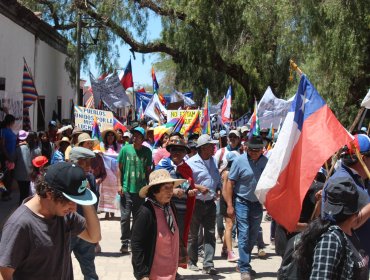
(309, 136)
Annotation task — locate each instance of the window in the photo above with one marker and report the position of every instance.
(41, 113)
(2, 83)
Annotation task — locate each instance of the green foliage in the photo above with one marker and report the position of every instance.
(246, 43)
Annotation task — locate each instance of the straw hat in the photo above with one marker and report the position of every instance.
(157, 177)
(83, 137)
(64, 139)
(109, 130)
(76, 131)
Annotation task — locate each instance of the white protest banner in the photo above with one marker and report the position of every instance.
(12, 103)
(171, 114)
(272, 109)
(84, 118)
(366, 102)
(110, 91)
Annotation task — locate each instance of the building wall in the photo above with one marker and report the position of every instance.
(46, 64)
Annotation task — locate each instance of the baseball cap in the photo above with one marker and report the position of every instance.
(80, 153)
(139, 129)
(205, 139)
(235, 132)
(53, 123)
(245, 128)
(71, 180)
(22, 135)
(223, 133)
(361, 142)
(127, 134)
(342, 197)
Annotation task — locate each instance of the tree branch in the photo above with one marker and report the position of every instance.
(159, 10)
(215, 62)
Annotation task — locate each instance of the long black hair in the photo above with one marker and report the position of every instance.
(309, 238)
(115, 146)
(306, 246)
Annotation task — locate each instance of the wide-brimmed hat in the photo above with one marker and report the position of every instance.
(343, 197)
(177, 143)
(64, 139)
(83, 137)
(76, 130)
(157, 177)
(109, 130)
(256, 142)
(71, 180)
(205, 139)
(22, 135)
(40, 161)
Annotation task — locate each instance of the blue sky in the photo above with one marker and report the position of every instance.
(141, 71)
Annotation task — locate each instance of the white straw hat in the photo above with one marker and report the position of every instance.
(157, 177)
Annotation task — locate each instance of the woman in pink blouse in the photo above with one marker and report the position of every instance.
(155, 234)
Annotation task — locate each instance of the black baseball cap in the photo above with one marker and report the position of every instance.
(342, 197)
(71, 180)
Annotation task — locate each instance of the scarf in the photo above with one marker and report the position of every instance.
(167, 214)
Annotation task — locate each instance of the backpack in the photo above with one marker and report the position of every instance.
(289, 267)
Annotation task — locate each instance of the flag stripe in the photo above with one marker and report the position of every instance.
(28, 88)
(309, 136)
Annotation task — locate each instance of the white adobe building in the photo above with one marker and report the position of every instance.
(23, 34)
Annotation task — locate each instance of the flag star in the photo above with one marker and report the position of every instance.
(304, 101)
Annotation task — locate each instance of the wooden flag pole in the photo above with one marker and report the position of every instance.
(295, 67)
(357, 152)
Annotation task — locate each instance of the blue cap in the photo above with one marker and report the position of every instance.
(52, 123)
(223, 133)
(362, 143)
(139, 129)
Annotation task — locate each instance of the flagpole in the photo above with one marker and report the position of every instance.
(38, 99)
(295, 67)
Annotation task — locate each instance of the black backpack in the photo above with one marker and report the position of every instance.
(289, 266)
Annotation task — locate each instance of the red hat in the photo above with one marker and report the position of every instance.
(39, 161)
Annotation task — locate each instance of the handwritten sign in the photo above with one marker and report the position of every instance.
(84, 118)
(189, 115)
(12, 103)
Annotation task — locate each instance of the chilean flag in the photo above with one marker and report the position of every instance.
(309, 136)
(126, 79)
(118, 125)
(155, 83)
(226, 107)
